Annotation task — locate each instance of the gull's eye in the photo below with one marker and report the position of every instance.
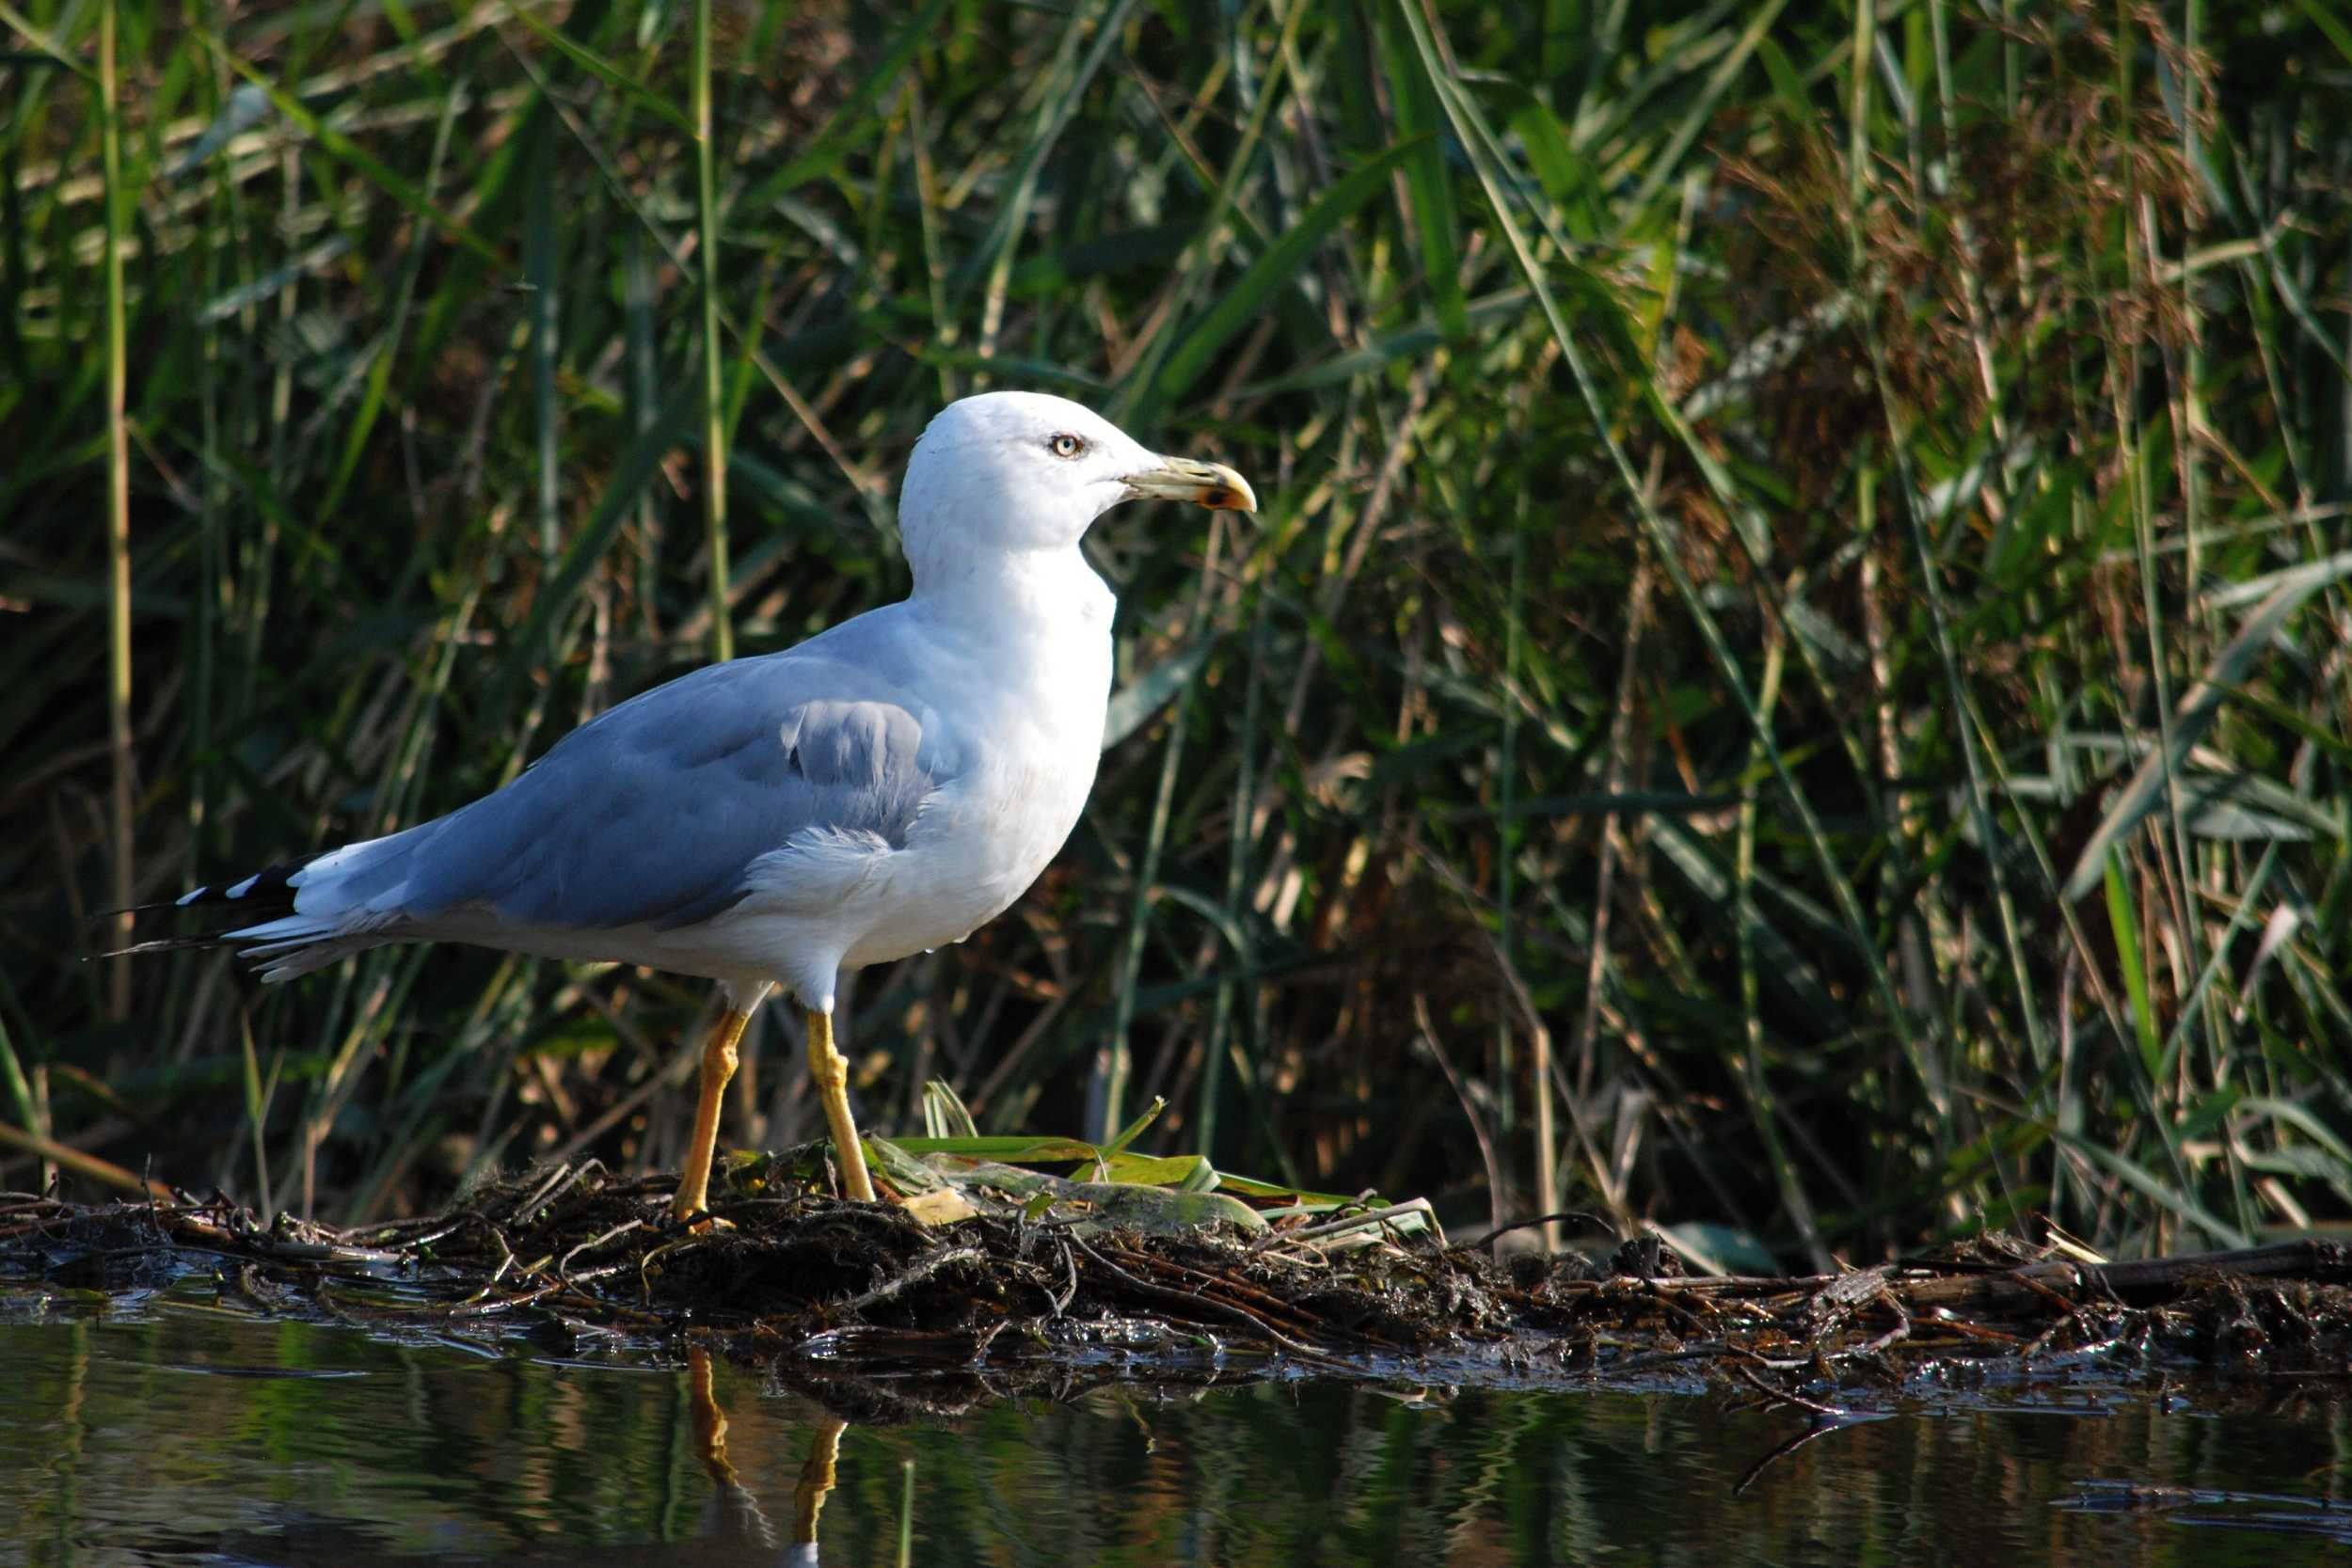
(1066, 444)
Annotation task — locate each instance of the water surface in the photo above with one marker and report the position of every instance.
(184, 1433)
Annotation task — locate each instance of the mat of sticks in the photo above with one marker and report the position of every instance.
(579, 1256)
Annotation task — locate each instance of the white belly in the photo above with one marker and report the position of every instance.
(972, 854)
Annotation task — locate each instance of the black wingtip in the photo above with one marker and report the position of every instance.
(260, 897)
(162, 944)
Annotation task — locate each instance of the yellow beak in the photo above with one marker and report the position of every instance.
(1184, 478)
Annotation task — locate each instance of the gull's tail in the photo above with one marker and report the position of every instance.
(301, 915)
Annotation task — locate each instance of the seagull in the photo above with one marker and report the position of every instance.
(883, 789)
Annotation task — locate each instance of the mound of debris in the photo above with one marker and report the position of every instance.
(1052, 1291)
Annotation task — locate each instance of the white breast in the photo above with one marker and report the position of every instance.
(981, 843)
(1023, 695)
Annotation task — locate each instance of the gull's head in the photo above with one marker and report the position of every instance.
(1007, 471)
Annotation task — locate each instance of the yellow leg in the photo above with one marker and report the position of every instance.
(832, 1072)
(710, 1422)
(817, 1473)
(694, 1182)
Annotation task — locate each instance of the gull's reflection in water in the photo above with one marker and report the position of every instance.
(732, 1526)
(734, 1514)
(529, 1482)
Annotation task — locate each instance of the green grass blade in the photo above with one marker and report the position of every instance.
(2199, 706)
(603, 70)
(335, 144)
(2123, 921)
(1425, 176)
(1254, 291)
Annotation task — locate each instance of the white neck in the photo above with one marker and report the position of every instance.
(1009, 592)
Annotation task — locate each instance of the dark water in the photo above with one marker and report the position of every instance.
(179, 1433)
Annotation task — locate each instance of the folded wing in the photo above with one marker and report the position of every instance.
(648, 816)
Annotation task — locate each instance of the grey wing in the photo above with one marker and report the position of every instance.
(651, 813)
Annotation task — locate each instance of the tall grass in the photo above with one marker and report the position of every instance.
(1796, 653)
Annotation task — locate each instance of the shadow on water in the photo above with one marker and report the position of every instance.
(176, 1431)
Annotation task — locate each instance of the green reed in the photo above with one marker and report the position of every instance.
(1792, 680)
